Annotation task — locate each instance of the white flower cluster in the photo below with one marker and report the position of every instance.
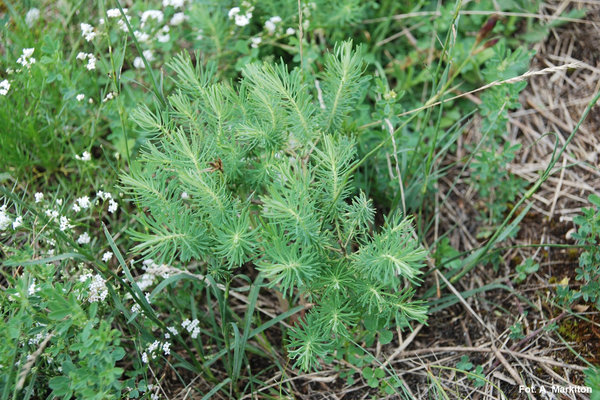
(53, 214)
(109, 96)
(36, 339)
(65, 223)
(107, 256)
(84, 238)
(17, 222)
(91, 59)
(172, 331)
(97, 288)
(5, 220)
(51, 242)
(121, 22)
(151, 271)
(4, 87)
(192, 327)
(81, 203)
(173, 3)
(153, 349)
(255, 41)
(270, 25)
(32, 16)
(178, 18)
(141, 36)
(33, 288)
(163, 35)
(240, 19)
(138, 62)
(88, 32)
(156, 15)
(85, 156)
(115, 13)
(26, 58)
(112, 204)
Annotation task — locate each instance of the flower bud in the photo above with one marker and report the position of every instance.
(486, 28)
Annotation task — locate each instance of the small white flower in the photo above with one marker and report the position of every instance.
(153, 346)
(38, 197)
(166, 347)
(195, 332)
(87, 31)
(84, 202)
(17, 222)
(115, 13)
(85, 156)
(185, 196)
(109, 96)
(32, 288)
(112, 206)
(104, 195)
(97, 288)
(32, 16)
(91, 62)
(152, 14)
(148, 54)
(76, 208)
(173, 3)
(144, 357)
(80, 97)
(84, 238)
(270, 26)
(138, 63)
(141, 36)
(173, 330)
(4, 87)
(107, 256)
(52, 214)
(26, 60)
(233, 12)
(178, 18)
(290, 31)
(255, 41)
(36, 339)
(122, 24)
(136, 308)
(65, 223)
(163, 38)
(243, 20)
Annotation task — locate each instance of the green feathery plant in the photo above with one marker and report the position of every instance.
(254, 178)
